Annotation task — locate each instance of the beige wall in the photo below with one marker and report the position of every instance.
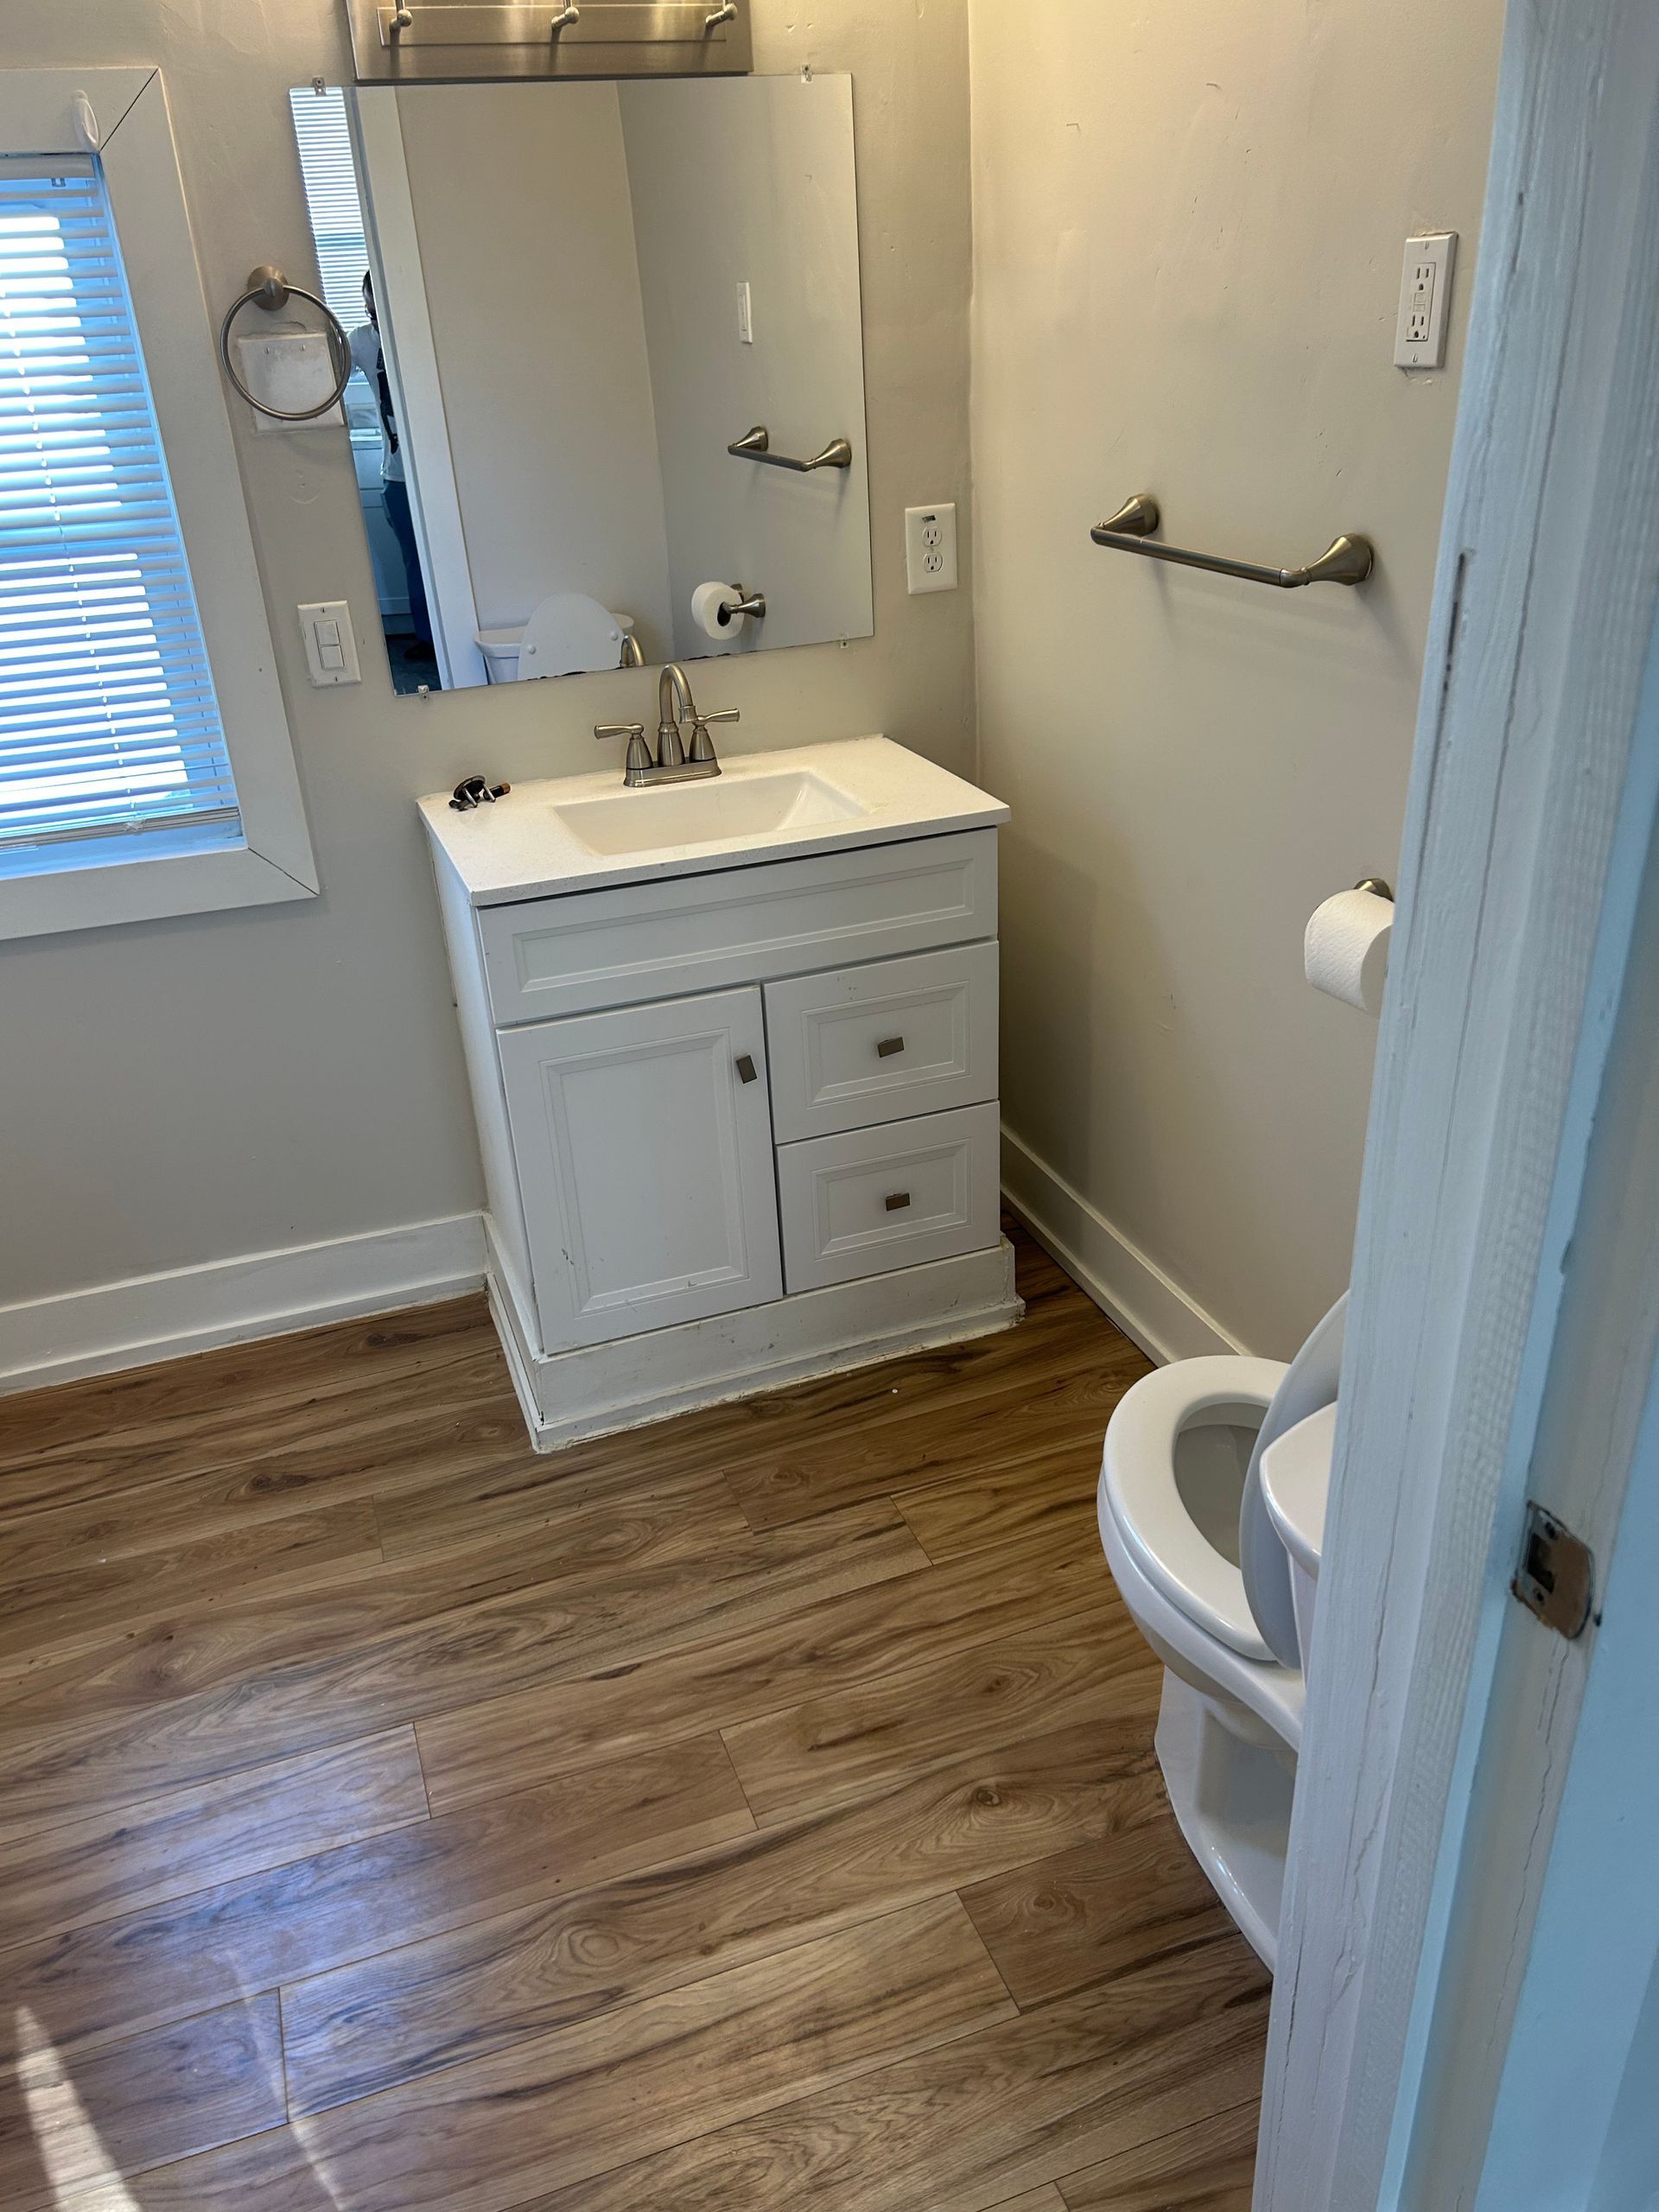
(194, 1089)
(532, 287)
(1189, 224)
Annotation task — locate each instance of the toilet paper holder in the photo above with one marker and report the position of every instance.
(1347, 945)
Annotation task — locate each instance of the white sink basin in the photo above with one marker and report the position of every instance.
(726, 808)
(573, 833)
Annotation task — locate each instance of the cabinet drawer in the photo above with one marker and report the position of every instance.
(641, 941)
(871, 1200)
(883, 1043)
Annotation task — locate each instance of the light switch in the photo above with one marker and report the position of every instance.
(745, 316)
(330, 648)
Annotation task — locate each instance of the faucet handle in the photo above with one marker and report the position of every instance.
(702, 746)
(640, 764)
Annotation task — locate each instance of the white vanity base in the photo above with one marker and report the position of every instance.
(736, 1101)
(603, 1388)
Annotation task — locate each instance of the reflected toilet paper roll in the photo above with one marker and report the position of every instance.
(1346, 948)
(709, 603)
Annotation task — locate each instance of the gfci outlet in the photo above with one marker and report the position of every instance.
(930, 548)
(1425, 300)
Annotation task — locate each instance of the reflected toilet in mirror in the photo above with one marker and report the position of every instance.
(609, 366)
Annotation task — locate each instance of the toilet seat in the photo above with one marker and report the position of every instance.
(1138, 1480)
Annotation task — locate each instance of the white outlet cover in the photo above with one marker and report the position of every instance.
(1425, 300)
(930, 548)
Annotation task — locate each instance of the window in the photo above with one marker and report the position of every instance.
(324, 137)
(108, 724)
(146, 766)
(329, 170)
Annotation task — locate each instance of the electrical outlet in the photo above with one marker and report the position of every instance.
(930, 548)
(1425, 302)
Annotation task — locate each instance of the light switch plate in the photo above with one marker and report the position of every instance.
(930, 548)
(1425, 300)
(330, 648)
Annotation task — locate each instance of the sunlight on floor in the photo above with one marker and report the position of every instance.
(71, 2152)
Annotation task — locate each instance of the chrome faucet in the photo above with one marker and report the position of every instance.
(673, 764)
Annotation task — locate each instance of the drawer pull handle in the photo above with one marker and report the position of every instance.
(888, 1047)
(747, 1071)
(897, 1201)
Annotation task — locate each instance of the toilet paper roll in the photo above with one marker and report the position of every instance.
(708, 603)
(1347, 949)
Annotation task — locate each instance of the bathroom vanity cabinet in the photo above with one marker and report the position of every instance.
(738, 1115)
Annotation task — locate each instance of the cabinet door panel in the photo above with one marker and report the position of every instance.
(645, 1158)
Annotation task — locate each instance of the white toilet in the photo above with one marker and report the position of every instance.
(567, 634)
(1212, 1502)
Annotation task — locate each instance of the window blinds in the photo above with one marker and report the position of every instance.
(109, 726)
(331, 197)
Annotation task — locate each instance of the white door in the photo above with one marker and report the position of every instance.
(1466, 2006)
(644, 1146)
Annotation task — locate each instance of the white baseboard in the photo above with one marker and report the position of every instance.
(132, 1323)
(151, 1317)
(602, 1389)
(1127, 1288)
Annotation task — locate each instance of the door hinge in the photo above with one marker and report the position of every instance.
(1556, 1578)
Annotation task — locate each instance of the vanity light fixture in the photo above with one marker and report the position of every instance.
(479, 41)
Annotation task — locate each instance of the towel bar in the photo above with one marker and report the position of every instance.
(1347, 560)
(756, 445)
(269, 288)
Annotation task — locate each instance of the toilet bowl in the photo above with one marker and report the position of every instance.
(1197, 1549)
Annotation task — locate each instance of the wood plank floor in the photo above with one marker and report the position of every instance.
(759, 1810)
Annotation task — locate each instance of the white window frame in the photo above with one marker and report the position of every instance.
(38, 116)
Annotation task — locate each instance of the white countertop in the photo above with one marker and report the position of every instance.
(521, 847)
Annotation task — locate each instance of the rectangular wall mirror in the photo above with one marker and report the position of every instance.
(567, 304)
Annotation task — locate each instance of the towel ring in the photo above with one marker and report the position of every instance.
(269, 288)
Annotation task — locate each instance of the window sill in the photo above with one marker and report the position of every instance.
(143, 888)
